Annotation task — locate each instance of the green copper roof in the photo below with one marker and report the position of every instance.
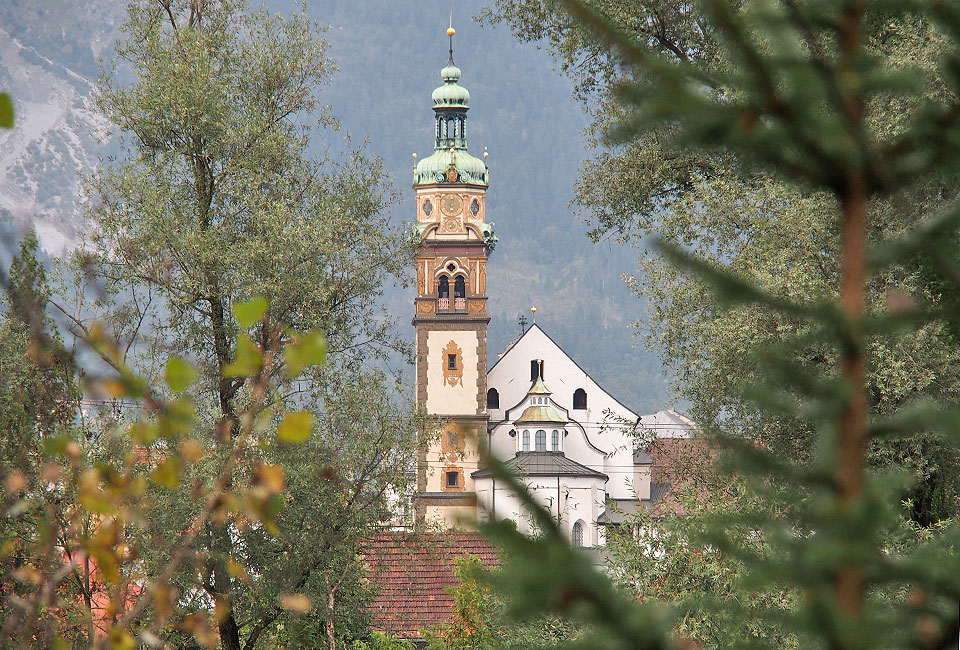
(450, 161)
(467, 169)
(539, 388)
(541, 413)
(451, 93)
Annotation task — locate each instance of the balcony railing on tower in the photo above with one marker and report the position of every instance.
(459, 304)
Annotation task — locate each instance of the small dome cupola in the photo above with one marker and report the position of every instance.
(450, 162)
(451, 101)
(451, 94)
(541, 427)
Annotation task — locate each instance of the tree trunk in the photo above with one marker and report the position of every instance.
(229, 633)
(331, 635)
(226, 388)
(223, 588)
(853, 420)
(228, 427)
(88, 596)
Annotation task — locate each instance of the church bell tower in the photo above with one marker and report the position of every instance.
(451, 307)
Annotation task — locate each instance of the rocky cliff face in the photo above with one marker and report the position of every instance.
(48, 62)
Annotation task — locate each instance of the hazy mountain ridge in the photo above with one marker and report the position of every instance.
(389, 57)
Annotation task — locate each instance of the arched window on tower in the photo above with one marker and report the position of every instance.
(460, 294)
(526, 440)
(579, 399)
(555, 441)
(493, 399)
(443, 294)
(541, 440)
(578, 534)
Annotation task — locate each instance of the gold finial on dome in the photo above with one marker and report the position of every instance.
(450, 32)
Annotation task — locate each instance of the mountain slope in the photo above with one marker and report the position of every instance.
(390, 55)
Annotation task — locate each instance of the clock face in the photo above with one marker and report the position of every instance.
(451, 204)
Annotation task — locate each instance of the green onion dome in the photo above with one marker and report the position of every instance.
(451, 93)
(450, 161)
(436, 168)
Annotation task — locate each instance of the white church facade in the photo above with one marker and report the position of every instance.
(576, 447)
(571, 442)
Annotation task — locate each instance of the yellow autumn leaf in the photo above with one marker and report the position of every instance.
(297, 603)
(270, 477)
(296, 427)
(249, 312)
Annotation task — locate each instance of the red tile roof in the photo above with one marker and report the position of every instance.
(411, 575)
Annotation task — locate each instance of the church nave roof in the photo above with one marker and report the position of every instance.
(544, 463)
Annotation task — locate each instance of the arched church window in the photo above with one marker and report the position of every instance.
(541, 440)
(493, 399)
(459, 287)
(555, 441)
(579, 399)
(526, 440)
(578, 534)
(536, 369)
(443, 287)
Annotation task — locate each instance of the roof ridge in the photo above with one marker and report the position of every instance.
(574, 361)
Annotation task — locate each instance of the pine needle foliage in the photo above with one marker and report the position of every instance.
(794, 102)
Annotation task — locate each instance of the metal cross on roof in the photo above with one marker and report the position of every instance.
(523, 323)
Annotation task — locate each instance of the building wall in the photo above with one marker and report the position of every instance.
(575, 499)
(452, 392)
(462, 517)
(601, 442)
(441, 456)
(452, 238)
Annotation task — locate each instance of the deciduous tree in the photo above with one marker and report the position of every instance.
(219, 239)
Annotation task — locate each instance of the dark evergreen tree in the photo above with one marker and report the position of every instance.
(796, 100)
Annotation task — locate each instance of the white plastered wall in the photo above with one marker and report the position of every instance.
(451, 516)
(442, 397)
(578, 498)
(607, 449)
